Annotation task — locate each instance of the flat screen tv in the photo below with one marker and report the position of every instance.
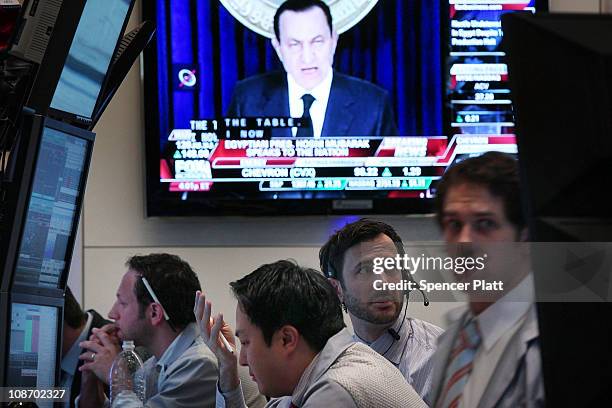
(415, 86)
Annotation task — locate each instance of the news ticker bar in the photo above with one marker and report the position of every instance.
(314, 184)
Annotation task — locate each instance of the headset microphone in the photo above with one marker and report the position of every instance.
(393, 334)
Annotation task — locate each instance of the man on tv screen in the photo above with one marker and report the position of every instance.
(333, 104)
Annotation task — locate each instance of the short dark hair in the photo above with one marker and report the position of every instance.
(283, 293)
(301, 5)
(495, 171)
(331, 255)
(74, 316)
(172, 280)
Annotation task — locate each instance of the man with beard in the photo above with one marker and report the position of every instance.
(154, 308)
(293, 340)
(490, 354)
(379, 318)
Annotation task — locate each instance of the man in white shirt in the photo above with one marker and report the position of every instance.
(489, 355)
(380, 318)
(336, 104)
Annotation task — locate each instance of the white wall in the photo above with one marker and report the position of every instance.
(585, 6)
(219, 249)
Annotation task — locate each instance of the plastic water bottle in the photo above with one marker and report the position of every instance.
(127, 386)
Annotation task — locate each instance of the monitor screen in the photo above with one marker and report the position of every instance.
(86, 66)
(52, 209)
(33, 347)
(407, 88)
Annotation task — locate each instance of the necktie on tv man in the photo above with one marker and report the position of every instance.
(306, 131)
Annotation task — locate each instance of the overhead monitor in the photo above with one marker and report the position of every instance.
(73, 44)
(409, 88)
(100, 28)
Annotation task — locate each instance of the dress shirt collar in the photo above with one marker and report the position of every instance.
(320, 92)
(318, 108)
(71, 359)
(502, 315)
(181, 343)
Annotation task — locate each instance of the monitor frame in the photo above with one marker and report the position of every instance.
(6, 300)
(161, 203)
(19, 193)
(42, 95)
(52, 63)
(549, 204)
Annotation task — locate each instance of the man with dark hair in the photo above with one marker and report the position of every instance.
(494, 171)
(378, 321)
(337, 105)
(293, 339)
(490, 354)
(154, 308)
(78, 327)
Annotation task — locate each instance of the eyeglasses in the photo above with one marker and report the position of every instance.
(156, 300)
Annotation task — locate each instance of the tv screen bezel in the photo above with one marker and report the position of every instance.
(160, 203)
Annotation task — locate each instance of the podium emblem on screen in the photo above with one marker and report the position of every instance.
(185, 77)
(258, 15)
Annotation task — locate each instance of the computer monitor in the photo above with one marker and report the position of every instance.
(560, 69)
(31, 328)
(46, 203)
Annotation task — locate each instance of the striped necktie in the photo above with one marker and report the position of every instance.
(460, 365)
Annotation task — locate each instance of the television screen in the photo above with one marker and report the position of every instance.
(53, 209)
(33, 347)
(240, 121)
(94, 43)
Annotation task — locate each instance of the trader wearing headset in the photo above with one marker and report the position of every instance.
(380, 318)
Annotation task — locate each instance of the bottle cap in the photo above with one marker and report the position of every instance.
(128, 345)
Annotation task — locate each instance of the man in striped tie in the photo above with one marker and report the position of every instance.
(489, 355)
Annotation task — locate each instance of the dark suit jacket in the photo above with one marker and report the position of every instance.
(355, 107)
(97, 322)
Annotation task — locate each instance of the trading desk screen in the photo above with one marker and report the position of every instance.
(52, 210)
(33, 341)
(219, 104)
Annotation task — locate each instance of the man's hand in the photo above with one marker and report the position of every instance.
(100, 352)
(211, 330)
